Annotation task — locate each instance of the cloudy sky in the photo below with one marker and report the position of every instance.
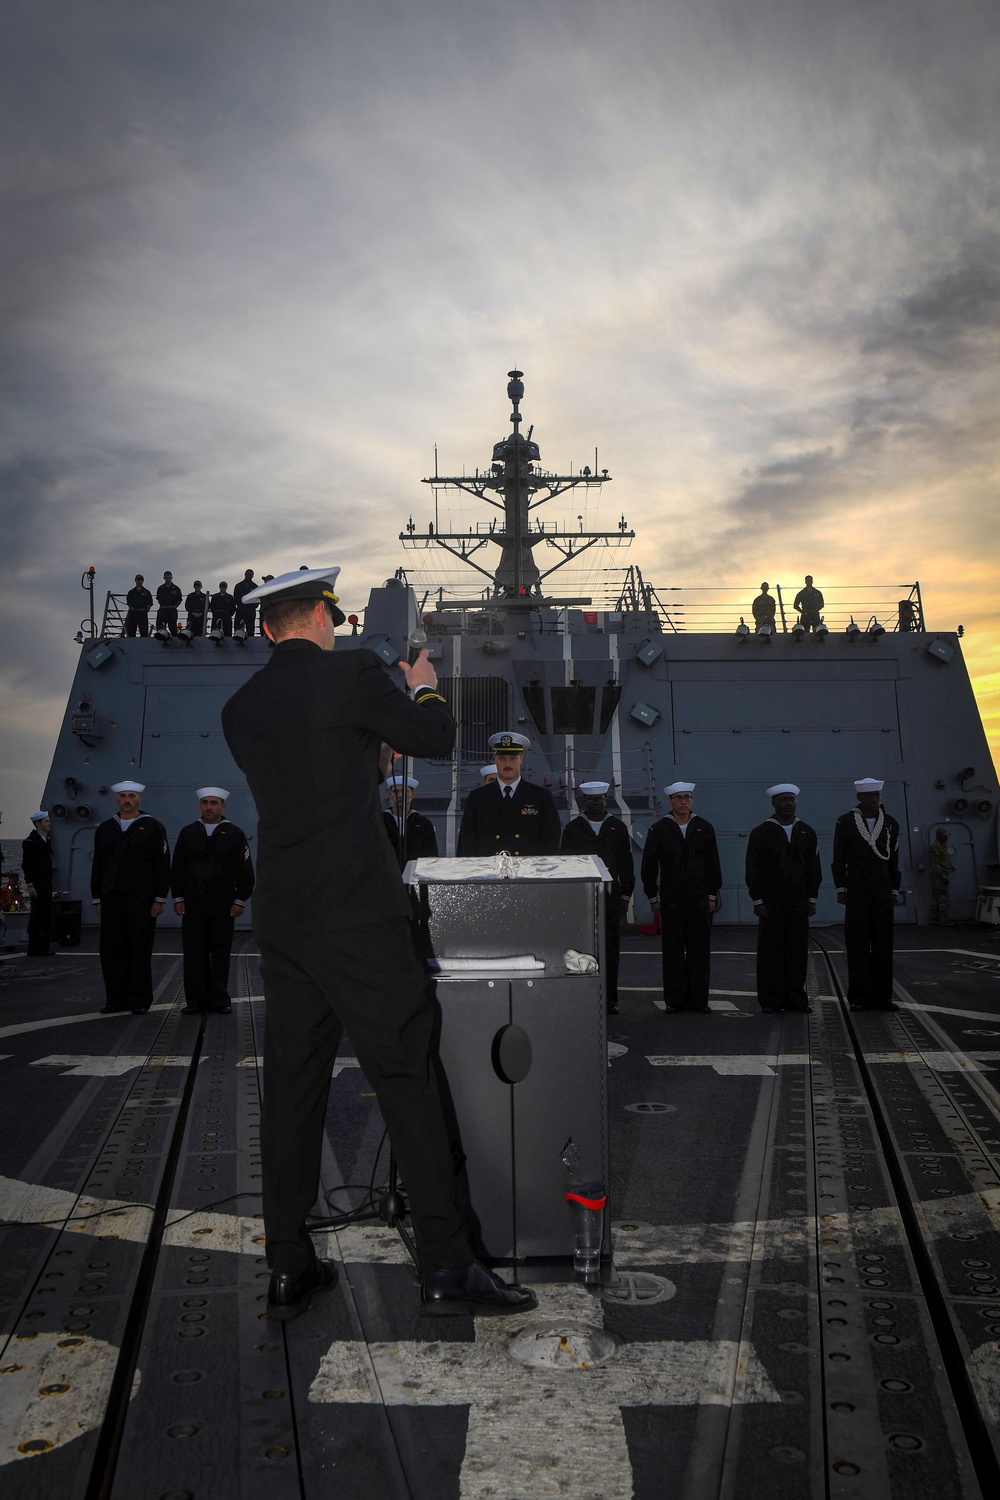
(261, 256)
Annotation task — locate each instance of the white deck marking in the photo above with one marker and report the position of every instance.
(952, 1010)
(742, 1065)
(53, 1388)
(941, 1062)
(555, 1434)
(109, 1067)
(90, 1015)
(338, 1067)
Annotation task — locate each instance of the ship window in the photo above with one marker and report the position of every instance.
(534, 702)
(573, 710)
(609, 702)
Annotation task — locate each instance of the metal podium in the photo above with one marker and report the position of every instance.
(522, 1044)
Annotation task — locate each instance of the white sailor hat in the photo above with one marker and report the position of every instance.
(38, 816)
(678, 786)
(783, 786)
(513, 744)
(128, 786)
(213, 791)
(304, 583)
(411, 782)
(489, 770)
(594, 788)
(868, 784)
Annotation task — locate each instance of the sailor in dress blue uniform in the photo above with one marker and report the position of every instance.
(783, 877)
(867, 876)
(129, 880)
(212, 880)
(509, 814)
(420, 841)
(682, 877)
(600, 833)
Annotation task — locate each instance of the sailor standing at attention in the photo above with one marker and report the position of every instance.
(129, 880)
(195, 604)
(866, 874)
(331, 915)
(36, 862)
(598, 832)
(211, 879)
(509, 814)
(783, 877)
(168, 597)
(420, 841)
(682, 877)
(139, 601)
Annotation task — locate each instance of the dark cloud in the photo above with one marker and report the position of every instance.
(954, 318)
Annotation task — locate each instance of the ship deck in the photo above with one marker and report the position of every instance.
(806, 1217)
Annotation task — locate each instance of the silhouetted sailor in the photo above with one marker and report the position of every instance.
(807, 604)
(211, 880)
(421, 840)
(129, 881)
(36, 862)
(139, 601)
(942, 870)
(196, 605)
(510, 813)
(866, 874)
(332, 918)
(600, 833)
(223, 607)
(168, 597)
(783, 877)
(246, 614)
(682, 877)
(763, 608)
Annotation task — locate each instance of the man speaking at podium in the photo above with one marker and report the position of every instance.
(331, 916)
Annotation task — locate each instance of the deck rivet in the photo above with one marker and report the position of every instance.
(841, 1406)
(846, 1468)
(906, 1440)
(896, 1386)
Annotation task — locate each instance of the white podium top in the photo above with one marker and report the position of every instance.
(506, 867)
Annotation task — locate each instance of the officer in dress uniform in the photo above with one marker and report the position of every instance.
(223, 607)
(421, 840)
(196, 604)
(510, 813)
(783, 877)
(331, 916)
(866, 874)
(682, 877)
(246, 614)
(36, 862)
(211, 879)
(140, 602)
(129, 881)
(598, 832)
(168, 597)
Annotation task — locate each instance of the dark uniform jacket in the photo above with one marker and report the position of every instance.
(613, 844)
(783, 872)
(857, 868)
(139, 598)
(245, 586)
(36, 861)
(526, 823)
(168, 596)
(212, 869)
(306, 731)
(196, 604)
(421, 840)
(134, 863)
(681, 867)
(223, 605)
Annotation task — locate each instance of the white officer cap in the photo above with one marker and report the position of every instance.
(505, 740)
(783, 786)
(398, 781)
(678, 786)
(38, 816)
(128, 786)
(489, 770)
(213, 791)
(305, 583)
(868, 784)
(594, 788)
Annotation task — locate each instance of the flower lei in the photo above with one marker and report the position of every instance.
(872, 838)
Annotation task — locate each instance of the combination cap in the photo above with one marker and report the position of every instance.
(513, 743)
(305, 584)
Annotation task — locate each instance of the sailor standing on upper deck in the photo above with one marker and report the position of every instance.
(168, 598)
(682, 877)
(140, 602)
(783, 877)
(212, 880)
(866, 874)
(129, 880)
(600, 833)
(509, 814)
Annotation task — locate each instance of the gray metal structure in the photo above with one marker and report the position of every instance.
(623, 694)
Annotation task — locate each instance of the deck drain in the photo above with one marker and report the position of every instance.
(651, 1109)
(563, 1346)
(639, 1289)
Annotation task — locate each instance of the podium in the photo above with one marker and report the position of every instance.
(523, 1048)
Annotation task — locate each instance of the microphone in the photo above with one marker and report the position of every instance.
(415, 643)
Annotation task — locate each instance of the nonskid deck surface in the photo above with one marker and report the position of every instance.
(806, 1209)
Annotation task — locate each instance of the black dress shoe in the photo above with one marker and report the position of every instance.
(191, 1010)
(110, 1010)
(474, 1289)
(612, 1010)
(289, 1293)
(771, 1010)
(222, 1010)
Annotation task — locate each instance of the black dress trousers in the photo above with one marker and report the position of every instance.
(40, 922)
(365, 981)
(868, 935)
(207, 941)
(612, 948)
(127, 932)
(782, 959)
(686, 935)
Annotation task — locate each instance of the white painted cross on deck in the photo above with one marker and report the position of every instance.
(550, 1433)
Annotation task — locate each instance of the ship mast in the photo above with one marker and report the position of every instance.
(514, 485)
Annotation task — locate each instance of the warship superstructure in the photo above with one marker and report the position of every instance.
(611, 685)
